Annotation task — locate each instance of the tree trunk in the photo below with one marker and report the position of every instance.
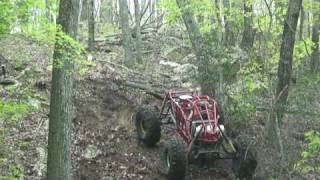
(59, 138)
(284, 68)
(217, 10)
(48, 13)
(138, 30)
(91, 24)
(315, 55)
(193, 29)
(229, 39)
(308, 24)
(115, 13)
(97, 10)
(248, 32)
(126, 34)
(80, 10)
(301, 25)
(85, 10)
(198, 45)
(107, 14)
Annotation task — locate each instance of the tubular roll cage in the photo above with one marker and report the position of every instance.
(203, 111)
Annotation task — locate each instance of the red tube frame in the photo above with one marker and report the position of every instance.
(205, 112)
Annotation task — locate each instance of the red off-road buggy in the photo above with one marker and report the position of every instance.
(200, 134)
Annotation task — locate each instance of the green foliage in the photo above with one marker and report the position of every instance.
(44, 34)
(13, 111)
(29, 17)
(301, 50)
(24, 146)
(303, 94)
(6, 16)
(244, 93)
(173, 11)
(205, 8)
(33, 20)
(69, 52)
(105, 29)
(66, 49)
(310, 161)
(14, 173)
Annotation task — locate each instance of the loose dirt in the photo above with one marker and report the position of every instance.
(104, 146)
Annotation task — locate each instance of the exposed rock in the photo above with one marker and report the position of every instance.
(91, 152)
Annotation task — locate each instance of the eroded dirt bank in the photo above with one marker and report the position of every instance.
(105, 144)
(104, 141)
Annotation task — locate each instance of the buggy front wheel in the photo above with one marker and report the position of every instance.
(175, 159)
(245, 163)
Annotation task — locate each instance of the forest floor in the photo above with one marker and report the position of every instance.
(104, 140)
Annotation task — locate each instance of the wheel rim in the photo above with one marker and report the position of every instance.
(228, 146)
(168, 160)
(142, 127)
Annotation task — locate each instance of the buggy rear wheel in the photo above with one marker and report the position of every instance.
(148, 126)
(245, 163)
(175, 159)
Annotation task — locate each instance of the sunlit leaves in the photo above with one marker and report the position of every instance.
(311, 155)
(70, 53)
(205, 8)
(302, 49)
(13, 111)
(6, 16)
(173, 13)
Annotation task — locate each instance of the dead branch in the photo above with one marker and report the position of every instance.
(147, 89)
(145, 5)
(7, 82)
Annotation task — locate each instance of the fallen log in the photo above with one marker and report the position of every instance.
(148, 82)
(157, 93)
(7, 82)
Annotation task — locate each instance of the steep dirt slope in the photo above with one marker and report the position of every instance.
(104, 127)
(104, 140)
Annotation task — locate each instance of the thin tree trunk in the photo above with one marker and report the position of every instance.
(91, 24)
(80, 10)
(248, 32)
(217, 9)
(116, 13)
(192, 28)
(48, 14)
(198, 45)
(107, 16)
(229, 39)
(138, 30)
(286, 51)
(85, 10)
(309, 24)
(97, 10)
(285, 67)
(315, 55)
(59, 138)
(126, 34)
(301, 25)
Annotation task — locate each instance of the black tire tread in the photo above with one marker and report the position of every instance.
(178, 168)
(245, 163)
(152, 126)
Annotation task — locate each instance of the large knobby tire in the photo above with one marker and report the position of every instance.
(148, 126)
(245, 163)
(175, 159)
